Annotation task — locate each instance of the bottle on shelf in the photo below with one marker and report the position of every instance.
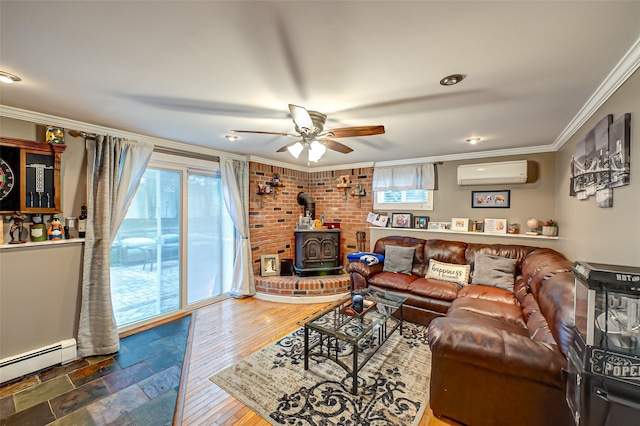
(82, 221)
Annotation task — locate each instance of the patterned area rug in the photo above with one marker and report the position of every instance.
(393, 387)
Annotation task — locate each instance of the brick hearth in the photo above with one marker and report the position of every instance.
(303, 286)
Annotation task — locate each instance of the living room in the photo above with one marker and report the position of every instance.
(586, 231)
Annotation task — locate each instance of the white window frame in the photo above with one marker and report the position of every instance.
(377, 205)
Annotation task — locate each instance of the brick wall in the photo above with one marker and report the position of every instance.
(273, 218)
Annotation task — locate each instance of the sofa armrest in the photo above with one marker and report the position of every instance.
(367, 271)
(359, 274)
(497, 350)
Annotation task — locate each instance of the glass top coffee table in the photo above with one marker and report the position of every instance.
(347, 337)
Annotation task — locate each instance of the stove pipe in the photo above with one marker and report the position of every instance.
(309, 205)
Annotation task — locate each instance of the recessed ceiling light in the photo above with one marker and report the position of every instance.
(474, 141)
(232, 138)
(5, 77)
(452, 79)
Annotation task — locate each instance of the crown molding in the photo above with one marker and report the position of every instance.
(283, 164)
(468, 156)
(629, 63)
(341, 167)
(51, 120)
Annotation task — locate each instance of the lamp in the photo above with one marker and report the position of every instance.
(295, 149)
(316, 151)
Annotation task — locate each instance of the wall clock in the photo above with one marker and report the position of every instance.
(9, 179)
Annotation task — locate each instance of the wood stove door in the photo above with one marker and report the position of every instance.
(319, 252)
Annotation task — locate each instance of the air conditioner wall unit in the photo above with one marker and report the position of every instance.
(493, 173)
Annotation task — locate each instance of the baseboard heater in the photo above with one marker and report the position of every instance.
(28, 362)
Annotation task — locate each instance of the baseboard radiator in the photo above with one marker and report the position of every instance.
(28, 362)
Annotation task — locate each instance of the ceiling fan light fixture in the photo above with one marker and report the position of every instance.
(295, 149)
(7, 78)
(232, 138)
(316, 151)
(452, 79)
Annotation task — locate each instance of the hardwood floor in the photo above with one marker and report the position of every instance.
(226, 332)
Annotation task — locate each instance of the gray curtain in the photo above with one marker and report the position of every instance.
(114, 169)
(235, 188)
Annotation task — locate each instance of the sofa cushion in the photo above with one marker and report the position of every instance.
(502, 311)
(392, 280)
(443, 290)
(419, 262)
(452, 272)
(494, 271)
(487, 293)
(398, 259)
(479, 319)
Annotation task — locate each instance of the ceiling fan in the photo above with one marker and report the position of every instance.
(310, 128)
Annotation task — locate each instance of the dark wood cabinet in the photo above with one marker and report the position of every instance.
(30, 176)
(317, 252)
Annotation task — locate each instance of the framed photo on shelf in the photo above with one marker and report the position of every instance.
(420, 222)
(439, 226)
(401, 220)
(491, 199)
(459, 224)
(495, 226)
(269, 265)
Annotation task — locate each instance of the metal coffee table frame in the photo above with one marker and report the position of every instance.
(334, 327)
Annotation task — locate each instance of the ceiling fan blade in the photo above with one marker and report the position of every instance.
(349, 132)
(284, 148)
(336, 146)
(301, 117)
(266, 133)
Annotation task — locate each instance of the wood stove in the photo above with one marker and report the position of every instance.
(317, 252)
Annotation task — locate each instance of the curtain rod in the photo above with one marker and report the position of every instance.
(76, 133)
(189, 154)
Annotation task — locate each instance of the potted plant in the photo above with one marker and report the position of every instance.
(550, 228)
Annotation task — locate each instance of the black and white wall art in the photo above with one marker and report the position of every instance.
(601, 161)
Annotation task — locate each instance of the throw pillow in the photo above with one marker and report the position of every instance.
(494, 271)
(398, 259)
(452, 272)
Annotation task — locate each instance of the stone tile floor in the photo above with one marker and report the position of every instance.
(135, 387)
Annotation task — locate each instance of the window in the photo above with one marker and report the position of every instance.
(415, 199)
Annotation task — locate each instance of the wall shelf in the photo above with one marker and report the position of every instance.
(419, 233)
(41, 244)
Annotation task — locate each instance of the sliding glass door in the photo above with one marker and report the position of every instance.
(175, 247)
(210, 239)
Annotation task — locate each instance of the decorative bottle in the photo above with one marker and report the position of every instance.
(82, 221)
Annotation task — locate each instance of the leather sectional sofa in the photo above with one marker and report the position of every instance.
(497, 354)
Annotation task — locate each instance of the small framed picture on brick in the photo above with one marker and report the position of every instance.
(269, 265)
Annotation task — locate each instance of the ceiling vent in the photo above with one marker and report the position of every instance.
(493, 173)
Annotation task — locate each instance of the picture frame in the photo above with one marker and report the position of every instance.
(401, 220)
(491, 199)
(460, 224)
(421, 222)
(269, 265)
(495, 226)
(438, 226)
(433, 226)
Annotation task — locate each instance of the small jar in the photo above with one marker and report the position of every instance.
(513, 228)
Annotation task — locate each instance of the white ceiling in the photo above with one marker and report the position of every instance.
(191, 71)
